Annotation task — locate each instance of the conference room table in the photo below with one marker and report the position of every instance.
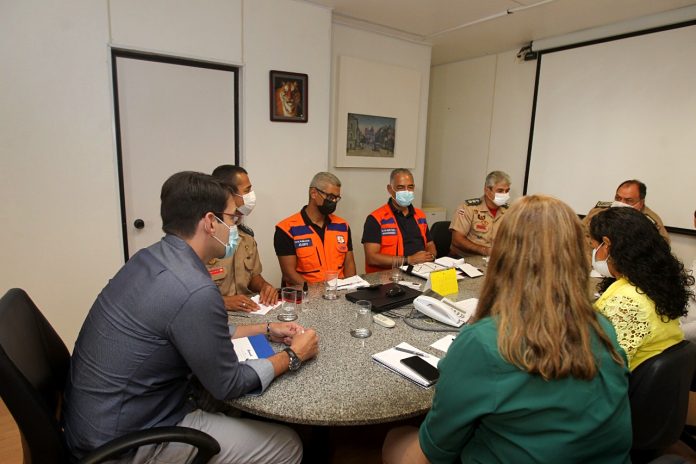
(343, 386)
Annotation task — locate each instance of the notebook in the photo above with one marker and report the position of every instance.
(379, 298)
(391, 359)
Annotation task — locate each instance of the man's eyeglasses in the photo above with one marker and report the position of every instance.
(329, 196)
(235, 218)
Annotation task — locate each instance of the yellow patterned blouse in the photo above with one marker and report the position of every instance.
(639, 329)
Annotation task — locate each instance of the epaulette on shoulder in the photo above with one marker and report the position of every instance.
(246, 229)
(603, 204)
(473, 201)
(650, 219)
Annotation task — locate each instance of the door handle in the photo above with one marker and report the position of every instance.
(139, 223)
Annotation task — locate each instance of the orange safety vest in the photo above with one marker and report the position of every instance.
(314, 258)
(392, 241)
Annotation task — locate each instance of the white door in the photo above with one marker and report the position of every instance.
(172, 116)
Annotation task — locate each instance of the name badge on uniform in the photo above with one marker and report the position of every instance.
(303, 242)
(388, 231)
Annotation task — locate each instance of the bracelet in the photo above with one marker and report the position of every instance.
(268, 330)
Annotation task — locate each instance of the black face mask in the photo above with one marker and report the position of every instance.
(327, 207)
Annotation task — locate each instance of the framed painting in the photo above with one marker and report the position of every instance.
(288, 96)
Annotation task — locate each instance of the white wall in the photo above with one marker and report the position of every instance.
(365, 189)
(478, 122)
(60, 212)
(479, 119)
(61, 238)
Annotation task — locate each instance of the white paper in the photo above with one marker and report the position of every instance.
(351, 283)
(423, 270)
(470, 270)
(444, 343)
(244, 350)
(263, 309)
(448, 261)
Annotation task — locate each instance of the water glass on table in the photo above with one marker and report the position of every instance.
(331, 286)
(397, 262)
(288, 310)
(362, 326)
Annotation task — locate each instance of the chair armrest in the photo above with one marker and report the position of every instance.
(207, 446)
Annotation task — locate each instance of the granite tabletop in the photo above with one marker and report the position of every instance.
(343, 385)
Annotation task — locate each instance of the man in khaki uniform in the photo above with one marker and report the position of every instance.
(239, 276)
(629, 193)
(477, 220)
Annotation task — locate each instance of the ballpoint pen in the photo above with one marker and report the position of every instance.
(405, 350)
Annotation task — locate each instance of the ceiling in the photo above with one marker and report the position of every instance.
(463, 29)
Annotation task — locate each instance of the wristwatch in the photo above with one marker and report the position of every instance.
(295, 361)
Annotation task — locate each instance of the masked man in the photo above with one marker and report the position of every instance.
(476, 222)
(313, 241)
(397, 228)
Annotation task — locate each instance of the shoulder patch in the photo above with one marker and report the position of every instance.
(473, 201)
(246, 229)
(603, 204)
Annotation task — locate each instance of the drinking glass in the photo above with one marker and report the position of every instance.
(288, 310)
(362, 326)
(397, 262)
(331, 285)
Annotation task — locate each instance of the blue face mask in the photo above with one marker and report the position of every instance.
(232, 241)
(404, 197)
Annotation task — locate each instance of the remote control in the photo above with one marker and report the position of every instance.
(384, 321)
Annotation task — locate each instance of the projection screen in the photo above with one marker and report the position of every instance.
(617, 110)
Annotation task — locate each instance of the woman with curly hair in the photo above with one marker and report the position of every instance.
(539, 376)
(645, 288)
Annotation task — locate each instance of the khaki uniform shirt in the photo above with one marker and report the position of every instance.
(476, 222)
(232, 275)
(602, 205)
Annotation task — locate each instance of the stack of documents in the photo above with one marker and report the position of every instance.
(391, 359)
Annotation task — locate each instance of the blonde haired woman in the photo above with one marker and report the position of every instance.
(539, 376)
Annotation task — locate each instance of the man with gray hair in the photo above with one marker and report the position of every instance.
(477, 219)
(397, 230)
(313, 241)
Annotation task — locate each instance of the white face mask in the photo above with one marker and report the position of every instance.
(249, 203)
(501, 199)
(602, 267)
(618, 204)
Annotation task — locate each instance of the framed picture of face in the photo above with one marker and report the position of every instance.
(288, 96)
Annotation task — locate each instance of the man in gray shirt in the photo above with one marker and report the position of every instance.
(159, 322)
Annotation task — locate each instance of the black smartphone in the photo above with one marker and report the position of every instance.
(422, 368)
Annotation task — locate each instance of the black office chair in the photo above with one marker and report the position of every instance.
(442, 237)
(34, 364)
(659, 395)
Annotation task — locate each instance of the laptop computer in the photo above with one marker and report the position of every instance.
(384, 297)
